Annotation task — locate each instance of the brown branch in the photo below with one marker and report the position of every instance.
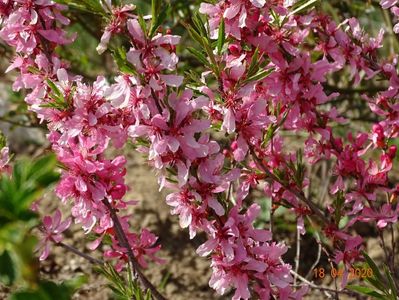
(123, 241)
(81, 254)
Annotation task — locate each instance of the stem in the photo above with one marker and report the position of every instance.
(387, 256)
(316, 262)
(271, 217)
(321, 288)
(298, 253)
(393, 246)
(123, 241)
(81, 254)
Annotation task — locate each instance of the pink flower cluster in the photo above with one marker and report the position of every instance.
(82, 124)
(296, 87)
(176, 127)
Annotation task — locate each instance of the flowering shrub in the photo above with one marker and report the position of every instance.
(266, 66)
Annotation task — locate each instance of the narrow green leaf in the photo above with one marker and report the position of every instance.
(365, 291)
(259, 76)
(155, 8)
(54, 88)
(377, 284)
(391, 283)
(302, 7)
(221, 36)
(199, 55)
(158, 16)
(124, 65)
(254, 65)
(199, 25)
(206, 46)
(148, 295)
(373, 266)
(142, 24)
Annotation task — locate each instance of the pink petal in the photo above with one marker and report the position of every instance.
(206, 248)
(172, 80)
(135, 30)
(45, 253)
(229, 121)
(216, 206)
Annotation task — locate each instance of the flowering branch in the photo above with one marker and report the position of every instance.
(120, 234)
(299, 195)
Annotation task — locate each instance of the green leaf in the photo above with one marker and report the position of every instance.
(199, 55)
(302, 6)
(158, 17)
(148, 295)
(155, 10)
(377, 284)
(262, 74)
(164, 281)
(365, 291)
(391, 283)
(373, 266)
(205, 43)
(124, 65)
(26, 185)
(199, 26)
(221, 36)
(57, 97)
(48, 290)
(142, 24)
(54, 88)
(254, 65)
(155, 7)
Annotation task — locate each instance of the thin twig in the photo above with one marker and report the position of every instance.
(321, 288)
(271, 217)
(81, 254)
(316, 262)
(298, 253)
(393, 245)
(123, 241)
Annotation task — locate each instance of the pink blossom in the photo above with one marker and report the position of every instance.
(150, 57)
(119, 16)
(385, 216)
(387, 3)
(52, 232)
